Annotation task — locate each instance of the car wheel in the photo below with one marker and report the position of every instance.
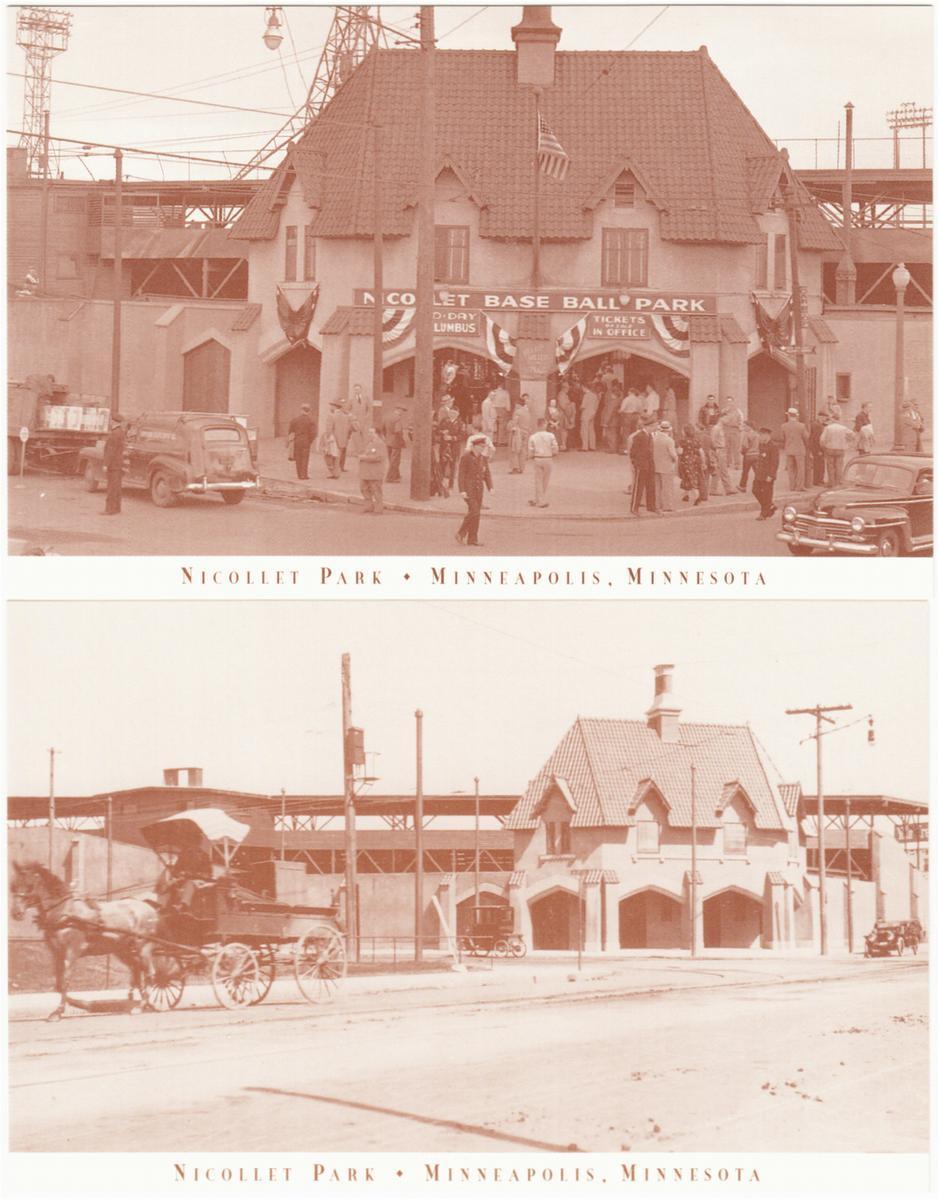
(888, 543)
(233, 497)
(800, 551)
(91, 477)
(161, 491)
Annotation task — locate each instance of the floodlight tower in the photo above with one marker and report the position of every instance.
(43, 33)
(355, 29)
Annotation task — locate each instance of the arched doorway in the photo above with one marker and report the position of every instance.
(633, 370)
(296, 382)
(556, 921)
(650, 920)
(733, 920)
(206, 373)
(768, 391)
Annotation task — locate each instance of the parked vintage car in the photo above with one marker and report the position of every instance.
(883, 506)
(181, 453)
(493, 932)
(888, 937)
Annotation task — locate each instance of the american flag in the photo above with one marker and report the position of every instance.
(553, 159)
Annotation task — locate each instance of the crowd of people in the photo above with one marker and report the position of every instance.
(718, 453)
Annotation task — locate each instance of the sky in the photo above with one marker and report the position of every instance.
(251, 691)
(794, 66)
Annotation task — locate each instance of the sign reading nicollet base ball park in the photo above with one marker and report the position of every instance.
(678, 303)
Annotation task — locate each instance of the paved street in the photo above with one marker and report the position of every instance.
(645, 1054)
(58, 515)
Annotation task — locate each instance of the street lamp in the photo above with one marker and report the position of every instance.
(272, 32)
(901, 281)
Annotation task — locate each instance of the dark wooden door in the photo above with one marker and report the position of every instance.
(206, 372)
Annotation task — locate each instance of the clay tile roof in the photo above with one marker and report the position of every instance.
(763, 171)
(670, 115)
(597, 875)
(245, 318)
(790, 793)
(517, 878)
(822, 331)
(776, 877)
(347, 319)
(704, 328)
(604, 761)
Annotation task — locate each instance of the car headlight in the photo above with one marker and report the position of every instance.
(789, 513)
(858, 524)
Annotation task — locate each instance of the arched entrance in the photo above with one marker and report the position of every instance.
(768, 391)
(556, 921)
(632, 370)
(296, 382)
(206, 372)
(650, 920)
(733, 920)
(479, 375)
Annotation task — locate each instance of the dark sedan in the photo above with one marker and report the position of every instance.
(883, 506)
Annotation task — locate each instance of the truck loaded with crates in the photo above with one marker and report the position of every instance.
(48, 426)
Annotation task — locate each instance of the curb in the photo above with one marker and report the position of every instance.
(280, 489)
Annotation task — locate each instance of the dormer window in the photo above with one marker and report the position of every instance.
(735, 839)
(648, 837)
(557, 837)
(624, 191)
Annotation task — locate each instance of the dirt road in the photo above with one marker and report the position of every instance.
(837, 1064)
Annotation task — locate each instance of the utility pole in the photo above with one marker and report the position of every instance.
(44, 209)
(694, 860)
(348, 809)
(118, 271)
(793, 215)
(819, 713)
(476, 847)
(283, 822)
(847, 850)
(419, 839)
(52, 754)
(378, 275)
(107, 961)
(422, 414)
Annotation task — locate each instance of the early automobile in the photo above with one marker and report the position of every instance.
(883, 506)
(889, 937)
(493, 932)
(174, 454)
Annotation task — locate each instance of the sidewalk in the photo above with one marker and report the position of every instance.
(527, 978)
(584, 487)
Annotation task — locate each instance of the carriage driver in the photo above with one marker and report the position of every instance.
(180, 881)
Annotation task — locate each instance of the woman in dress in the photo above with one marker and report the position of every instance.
(692, 466)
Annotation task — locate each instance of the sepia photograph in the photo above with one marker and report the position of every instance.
(527, 878)
(580, 279)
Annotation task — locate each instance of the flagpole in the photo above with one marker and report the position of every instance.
(536, 201)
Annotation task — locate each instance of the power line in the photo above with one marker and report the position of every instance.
(97, 87)
(659, 14)
(466, 21)
(132, 150)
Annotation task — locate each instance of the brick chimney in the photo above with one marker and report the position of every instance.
(663, 715)
(535, 38)
(182, 777)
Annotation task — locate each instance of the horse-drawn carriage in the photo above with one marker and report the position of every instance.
(201, 918)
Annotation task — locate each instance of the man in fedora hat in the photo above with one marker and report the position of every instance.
(301, 433)
(664, 460)
(641, 457)
(473, 477)
(113, 462)
(795, 440)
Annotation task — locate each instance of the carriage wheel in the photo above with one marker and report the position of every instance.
(501, 948)
(319, 963)
(268, 964)
(236, 976)
(519, 949)
(163, 989)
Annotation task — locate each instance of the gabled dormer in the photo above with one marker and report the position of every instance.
(555, 811)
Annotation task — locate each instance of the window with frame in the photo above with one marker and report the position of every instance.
(735, 838)
(760, 273)
(557, 837)
(309, 253)
(648, 837)
(625, 258)
(290, 254)
(451, 257)
(624, 191)
(779, 262)
(843, 385)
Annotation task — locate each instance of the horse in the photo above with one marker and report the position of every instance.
(77, 927)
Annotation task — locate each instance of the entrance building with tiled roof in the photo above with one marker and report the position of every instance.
(671, 225)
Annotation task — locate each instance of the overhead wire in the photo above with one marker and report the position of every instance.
(213, 104)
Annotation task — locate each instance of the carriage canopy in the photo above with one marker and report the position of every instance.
(195, 827)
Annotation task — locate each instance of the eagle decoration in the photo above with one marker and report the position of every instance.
(295, 322)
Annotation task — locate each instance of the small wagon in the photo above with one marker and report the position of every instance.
(493, 932)
(242, 937)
